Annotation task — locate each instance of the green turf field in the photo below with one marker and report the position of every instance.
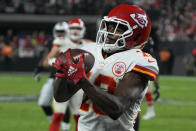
(176, 111)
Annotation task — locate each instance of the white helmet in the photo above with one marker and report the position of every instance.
(79, 27)
(60, 29)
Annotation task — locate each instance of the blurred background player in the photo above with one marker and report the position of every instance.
(60, 30)
(75, 40)
(150, 48)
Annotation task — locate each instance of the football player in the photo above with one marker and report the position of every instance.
(46, 94)
(75, 40)
(117, 83)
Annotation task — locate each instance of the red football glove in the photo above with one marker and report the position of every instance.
(69, 69)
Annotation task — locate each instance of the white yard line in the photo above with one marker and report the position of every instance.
(22, 98)
(178, 88)
(176, 102)
(13, 98)
(181, 78)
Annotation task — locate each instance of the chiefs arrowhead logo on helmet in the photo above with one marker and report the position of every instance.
(140, 19)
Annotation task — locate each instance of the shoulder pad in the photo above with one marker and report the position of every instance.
(58, 41)
(145, 64)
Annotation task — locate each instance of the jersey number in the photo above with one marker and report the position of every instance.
(144, 54)
(111, 86)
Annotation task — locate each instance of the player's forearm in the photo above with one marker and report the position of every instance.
(108, 103)
(64, 90)
(45, 62)
(43, 58)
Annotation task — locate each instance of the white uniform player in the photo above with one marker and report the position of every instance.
(117, 83)
(111, 71)
(75, 40)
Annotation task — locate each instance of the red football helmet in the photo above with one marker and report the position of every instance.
(77, 29)
(136, 33)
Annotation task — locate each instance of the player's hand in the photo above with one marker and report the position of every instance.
(156, 94)
(69, 69)
(36, 73)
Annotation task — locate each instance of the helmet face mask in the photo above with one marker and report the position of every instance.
(135, 25)
(76, 33)
(60, 33)
(77, 29)
(121, 30)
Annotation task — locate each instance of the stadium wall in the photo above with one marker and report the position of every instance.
(180, 50)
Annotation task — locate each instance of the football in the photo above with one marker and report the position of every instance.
(75, 55)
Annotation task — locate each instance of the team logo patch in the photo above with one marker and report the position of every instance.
(140, 19)
(119, 69)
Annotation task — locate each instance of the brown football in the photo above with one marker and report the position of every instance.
(75, 55)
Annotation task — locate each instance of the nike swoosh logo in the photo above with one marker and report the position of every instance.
(150, 61)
